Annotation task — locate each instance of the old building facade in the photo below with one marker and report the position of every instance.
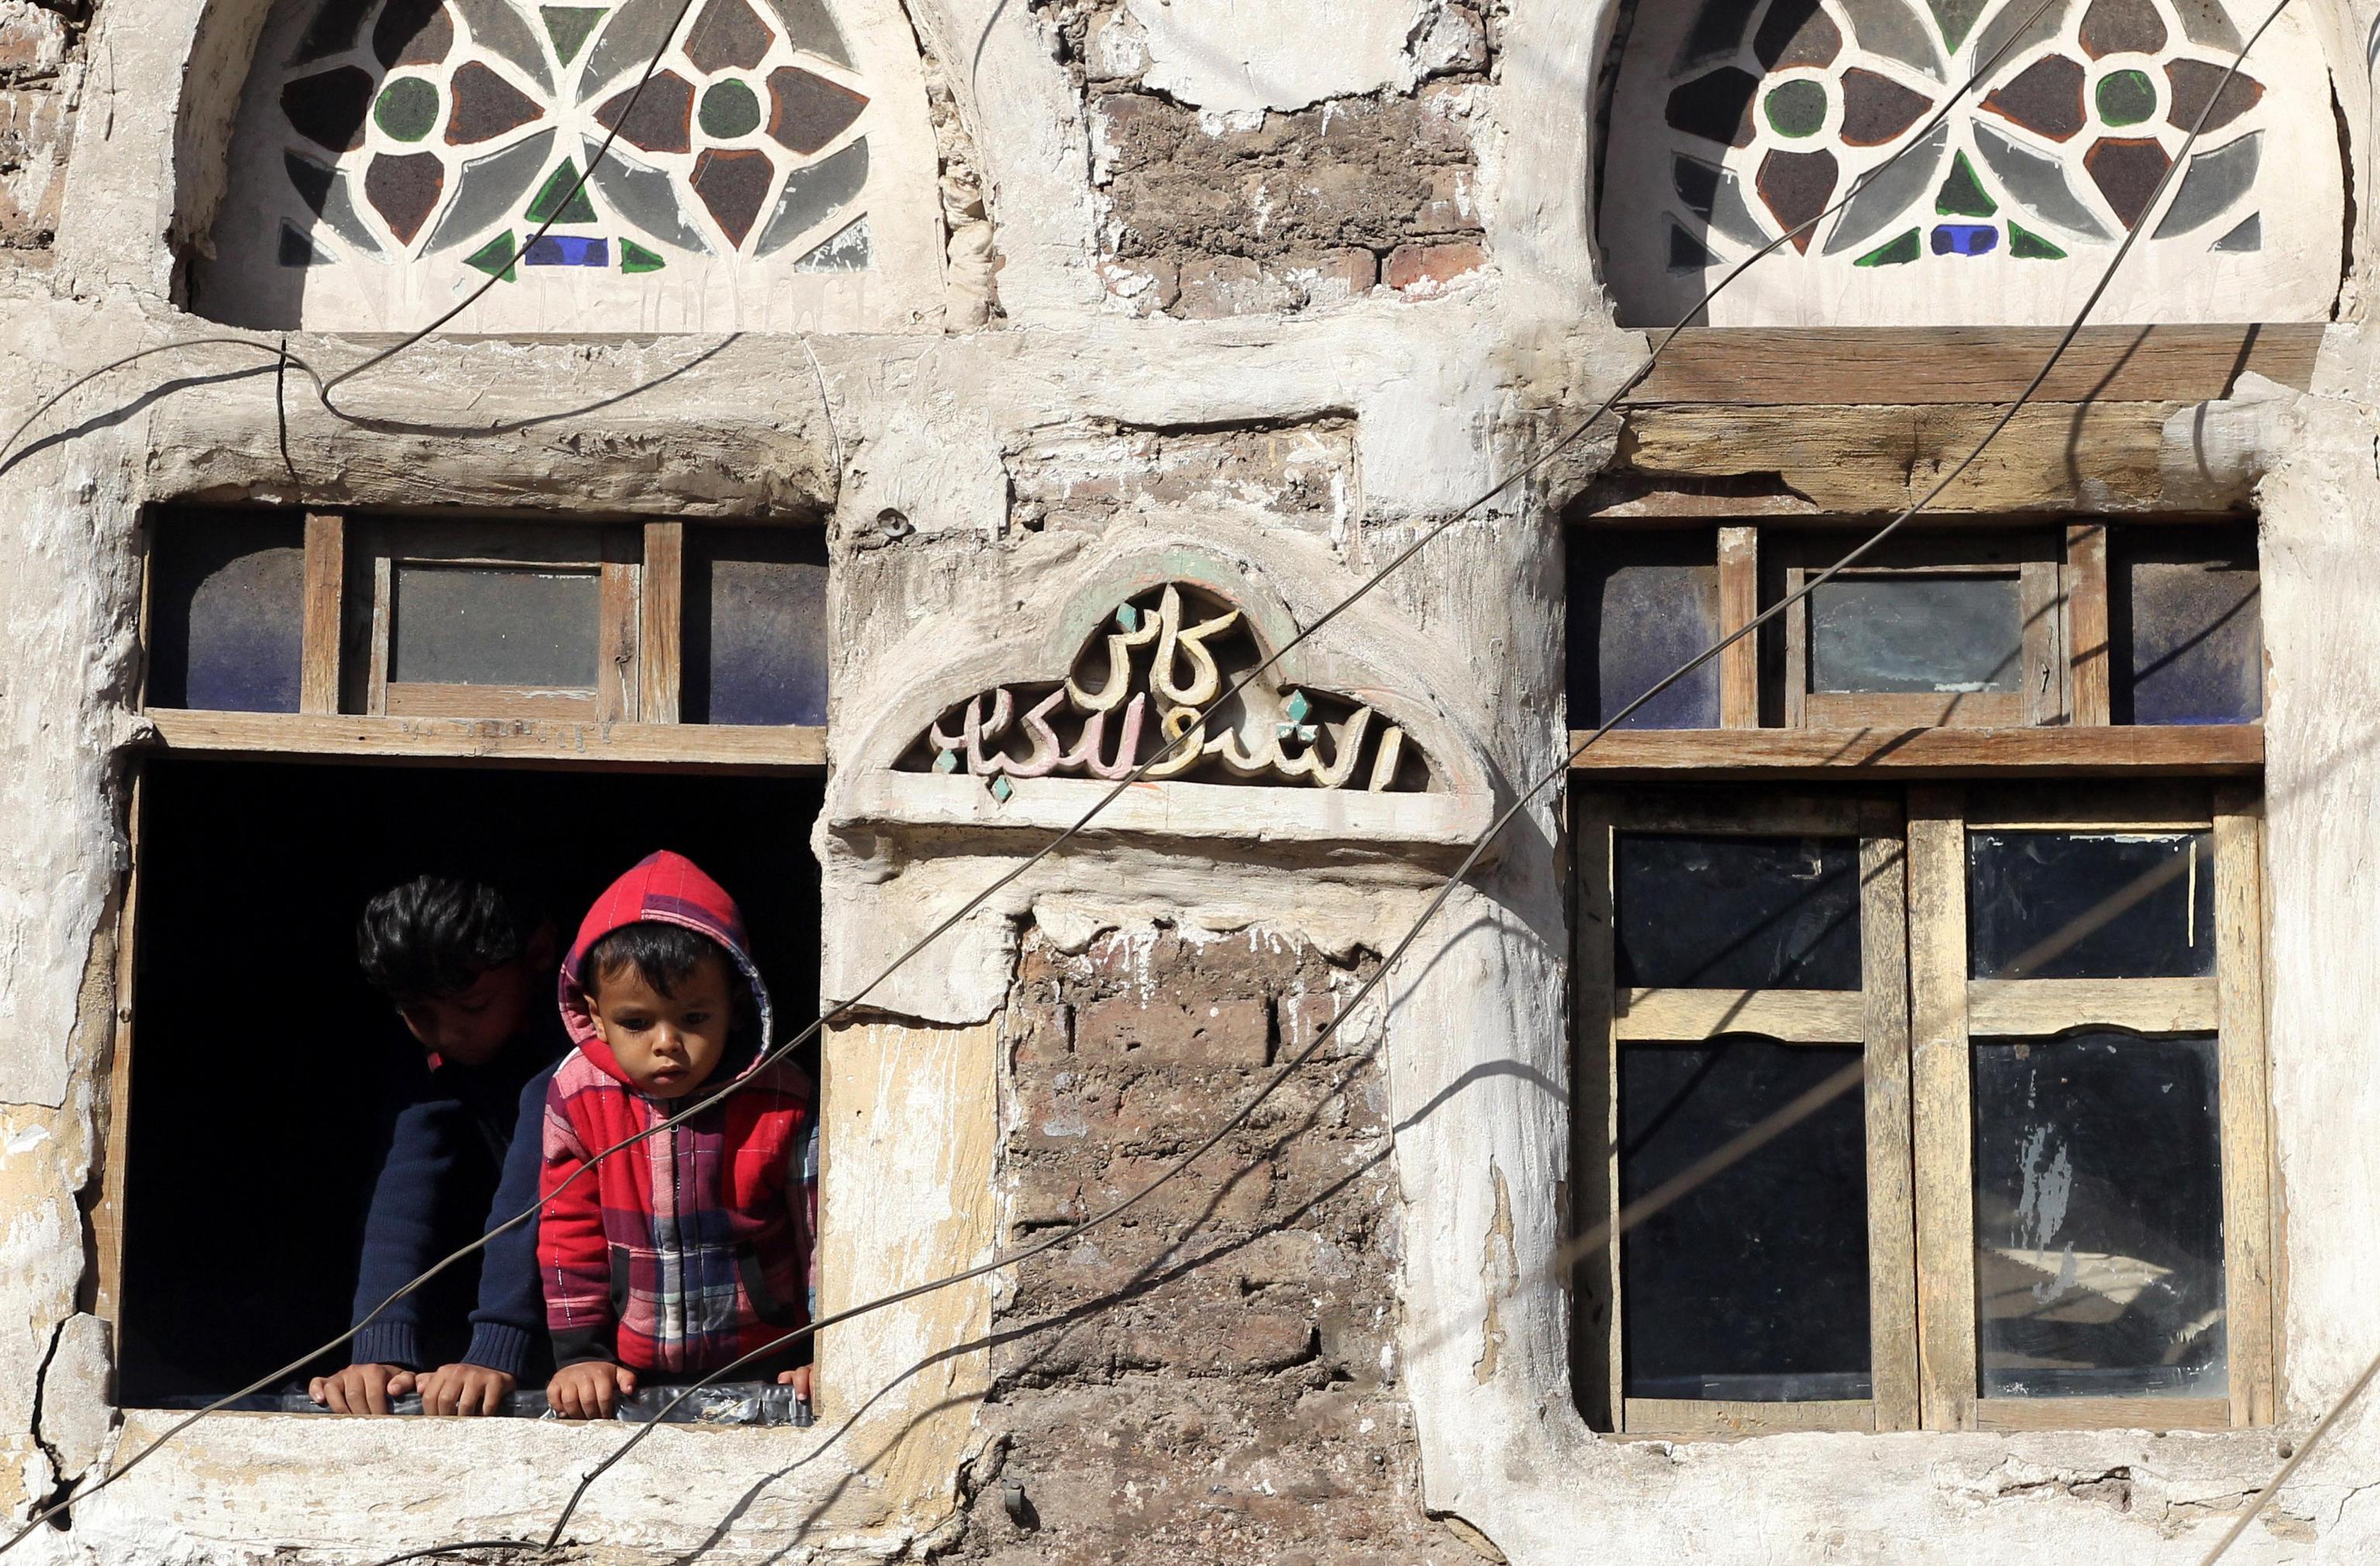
(876, 424)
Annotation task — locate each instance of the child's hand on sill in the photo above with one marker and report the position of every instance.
(591, 1390)
(361, 1389)
(799, 1379)
(465, 1388)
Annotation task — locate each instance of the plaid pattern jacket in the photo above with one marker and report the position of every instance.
(695, 1246)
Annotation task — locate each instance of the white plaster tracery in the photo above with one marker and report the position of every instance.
(777, 172)
(1735, 123)
(1164, 658)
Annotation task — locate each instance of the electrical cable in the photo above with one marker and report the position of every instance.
(1808, 1103)
(2297, 1461)
(1444, 893)
(1166, 749)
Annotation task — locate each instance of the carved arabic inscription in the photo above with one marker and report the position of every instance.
(1141, 683)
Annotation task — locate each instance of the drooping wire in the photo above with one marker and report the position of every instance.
(1808, 1103)
(1982, 70)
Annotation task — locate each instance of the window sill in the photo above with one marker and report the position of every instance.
(508, 741)
(1722, 754)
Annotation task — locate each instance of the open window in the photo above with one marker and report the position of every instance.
(542, 702)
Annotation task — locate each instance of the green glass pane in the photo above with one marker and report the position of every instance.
(495, 258)
(561, 198)
(2127, 98)
(730, 109)
(1797, 108)
(635, 257)
(568, 27)
(1898, 252)
(1962, 194)
(407, 109)
(1956, 18)
(2025, 245)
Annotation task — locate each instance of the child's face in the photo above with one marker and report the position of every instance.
(669, 1045)
(471, 1026)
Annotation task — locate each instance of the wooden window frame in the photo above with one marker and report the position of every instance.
(344, 648)
(1949, 1010)
(1876, 1015)
(348, 709)
(2033, 558)
(1918, 1013)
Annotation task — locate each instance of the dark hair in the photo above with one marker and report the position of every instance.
(665, 956)
(433, 937)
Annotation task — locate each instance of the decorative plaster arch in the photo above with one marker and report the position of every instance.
(2005, 215)
(874, 794)
(778, 173)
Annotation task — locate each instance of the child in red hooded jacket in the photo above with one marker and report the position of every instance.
(672, 1259)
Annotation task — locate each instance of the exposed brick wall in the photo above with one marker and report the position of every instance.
(1212, 1379)
(1215, 215)
(41, 73)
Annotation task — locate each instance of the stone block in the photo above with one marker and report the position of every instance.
(1042, 1035)
(32, 40)
(1220, 1339)
(1146, 286)
(1451, 207)
(36, 132)
(1455, 42)
(1335, 277)
(1423, 271)
(1218, 1189)
(1215, 286)
(1230, 1031)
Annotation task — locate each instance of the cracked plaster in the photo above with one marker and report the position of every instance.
(1439, 396)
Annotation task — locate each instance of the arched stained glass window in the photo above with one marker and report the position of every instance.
(775, 172)
(1736, 122)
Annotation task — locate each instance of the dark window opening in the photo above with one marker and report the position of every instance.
(259, 1050)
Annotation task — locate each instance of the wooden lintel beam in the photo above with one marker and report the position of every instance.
(1720, 753)
(1775, 366)
(524, 742)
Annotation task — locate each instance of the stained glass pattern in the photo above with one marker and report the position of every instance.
(1740, 123)
(443, 132)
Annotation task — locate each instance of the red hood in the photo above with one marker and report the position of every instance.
(664, 888)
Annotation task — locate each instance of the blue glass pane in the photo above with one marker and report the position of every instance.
(226, 611)
(755, 627)
(2188, 625)
(1641, 604)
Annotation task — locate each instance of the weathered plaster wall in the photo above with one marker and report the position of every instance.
(1301, 445)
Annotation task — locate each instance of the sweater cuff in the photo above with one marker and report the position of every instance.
(581, 1345)
(388, 1342)
(497, 1346)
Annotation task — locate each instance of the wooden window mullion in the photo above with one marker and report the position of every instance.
(1940, 1090)
(2245, 1105)
(2088, 632)
(1892, 1262)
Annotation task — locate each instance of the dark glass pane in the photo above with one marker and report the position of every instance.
(1738, 913)
(228, 605)
(2188, 625)
(1928, 634)
(2099, 1218)
(1641, 604)
(2067, 904)
(477, 626)
(755, 627)
(1754, 1286)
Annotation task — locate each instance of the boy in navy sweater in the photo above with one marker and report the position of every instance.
(472, 979)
